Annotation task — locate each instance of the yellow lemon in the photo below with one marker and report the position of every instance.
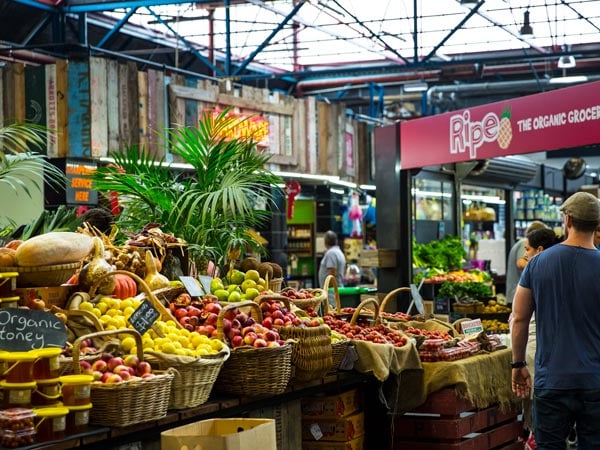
(102, 306)
(127, 303)
(168, 347)
(128, 311)
(86, 306)
(97, 312)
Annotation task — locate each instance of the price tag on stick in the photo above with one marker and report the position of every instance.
(144, 317)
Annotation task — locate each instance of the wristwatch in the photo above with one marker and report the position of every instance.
(518, 364)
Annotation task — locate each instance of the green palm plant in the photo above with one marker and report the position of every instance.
(20, 164)
(212, 205)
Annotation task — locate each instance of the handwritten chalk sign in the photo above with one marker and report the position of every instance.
(191, 286)
(143, 317)
(27, 329)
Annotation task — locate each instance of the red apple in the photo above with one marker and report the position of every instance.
(271, 335)
(142, 368)
(193, 311)
(236, 341)
(124, 374)
(85, 367)
(185, 320)
(247, 330)
(211, 319)
(106, 357)
(148, 375)
(267, 322)
(260, 342)
(213, 308)
(180, 312)
(97, 375)
(278, 322)
(113, 378)
(249, 338)
(100, 366)
(273, 344)
(226, 325)
(189, 327)
(114, 362)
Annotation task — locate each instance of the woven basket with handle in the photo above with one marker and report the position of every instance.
(128, 402)
(339, 347)
(311, 352)
(252, 371)
(194, 377)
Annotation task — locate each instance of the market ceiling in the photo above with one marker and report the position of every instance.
(356, 51)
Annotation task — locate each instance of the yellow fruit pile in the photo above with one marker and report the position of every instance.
(495, 326)
(493, 307)
(335, 337)
(113, 314)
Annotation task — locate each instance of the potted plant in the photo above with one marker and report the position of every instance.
(212, 205)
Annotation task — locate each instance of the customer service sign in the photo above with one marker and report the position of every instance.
(558, 119)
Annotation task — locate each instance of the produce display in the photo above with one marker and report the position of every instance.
(495, 326)
(115, 369)
(378, 334)
(459, 276)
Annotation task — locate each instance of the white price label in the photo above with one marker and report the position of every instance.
(471, 327)
(315, 430)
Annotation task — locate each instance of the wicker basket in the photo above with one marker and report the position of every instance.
(337, 311)
(128, 402)
(146, 293)
(311, 352)
(338, 351)
(275, 284)
(252, 371)
(79, 323)
(194, 377)
(50, 275)
(390, 295)
(319, 296)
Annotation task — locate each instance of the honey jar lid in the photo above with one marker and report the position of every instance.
(51, 411)
(6, 385)
(76, 379)
(46, 352)
(48, 381)
(9, 299)
(18, 356)
(80, 407)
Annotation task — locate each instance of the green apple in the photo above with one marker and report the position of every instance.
(222, 294)
(252, 293)
(235, 276)
(216, 284)
(233, 287)
(247, 284)
(252, 275)
(234, 296)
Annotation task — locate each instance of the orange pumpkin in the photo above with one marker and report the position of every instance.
(125, 286)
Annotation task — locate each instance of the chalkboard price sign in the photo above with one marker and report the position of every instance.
(144, 316)
(27, 329)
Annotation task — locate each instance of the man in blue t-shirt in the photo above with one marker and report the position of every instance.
(562, 286)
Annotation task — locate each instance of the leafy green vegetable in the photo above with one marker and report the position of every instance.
(444, 254)
(451, 289)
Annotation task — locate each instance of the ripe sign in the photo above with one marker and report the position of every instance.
(559, 119)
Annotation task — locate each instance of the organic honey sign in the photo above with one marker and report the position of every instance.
(28, 329)
(79, 182)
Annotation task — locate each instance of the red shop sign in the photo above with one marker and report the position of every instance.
(563, 118)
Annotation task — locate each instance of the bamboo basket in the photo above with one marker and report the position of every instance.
(337, 311)
(194, 377)
(93, 325)
(311, 352)
(128, 402)
(275, 284)
(340, 347)
(49, 275)
(252, 371)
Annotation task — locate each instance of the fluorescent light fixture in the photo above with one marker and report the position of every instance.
(306, 176)
(344, 183)
(566, 62)
(431, 193)
(417, 86)
(568, 80)
(368, 187)
(337, 191)
(493, 199)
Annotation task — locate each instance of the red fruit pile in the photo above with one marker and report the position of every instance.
(378, 334)
(199, 316)
(301, 294)
(115, 369)
(434, 334)
(242, 330)
(275, 314)
(397, 315)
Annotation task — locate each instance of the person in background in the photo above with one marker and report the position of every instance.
(535, 242)
(334, 261)
(515, 262)
(562, 286)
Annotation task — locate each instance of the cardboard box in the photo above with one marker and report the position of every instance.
(222, 434)
(354, 444)
(53, 295)
(332, 406)
(343, 429)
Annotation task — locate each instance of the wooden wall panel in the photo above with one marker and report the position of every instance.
(312, 134)
(62, 107)
(299, 134)
(51, 94)
(79, 109)
(142, 95)
(99, 107)
(323, 118)
(156, 115)
(14, 88)
(112, 105)
(128, 105)
(191, 106)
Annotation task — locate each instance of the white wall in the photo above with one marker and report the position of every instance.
(18, 206)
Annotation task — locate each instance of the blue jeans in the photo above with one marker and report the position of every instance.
(555, 412)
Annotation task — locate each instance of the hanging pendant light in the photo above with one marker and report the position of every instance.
(526, 29)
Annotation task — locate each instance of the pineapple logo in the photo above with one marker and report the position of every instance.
(505, 133)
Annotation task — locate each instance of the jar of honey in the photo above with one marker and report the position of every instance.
(17, 366)
(76, 389)
(47, 363)
(78, 418)
(51, 423)
(46, 393)
(16, 395)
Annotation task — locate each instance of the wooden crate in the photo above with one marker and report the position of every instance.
(384, 258)
(287, 423)
(446, 422)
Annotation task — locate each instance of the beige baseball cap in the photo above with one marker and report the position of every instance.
(582, 206)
